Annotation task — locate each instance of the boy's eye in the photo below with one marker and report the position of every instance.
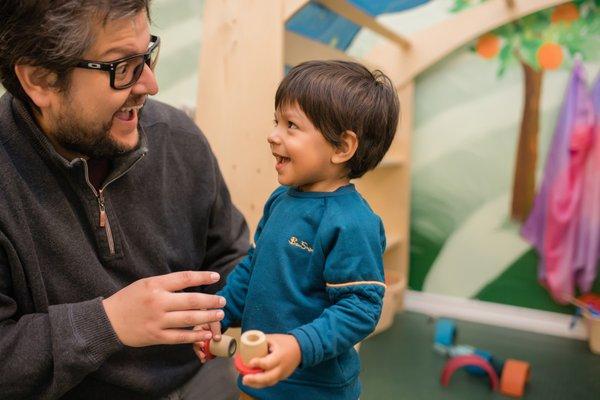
(292, 125)
(275, 122)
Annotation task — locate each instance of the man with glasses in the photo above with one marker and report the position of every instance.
(116, 227)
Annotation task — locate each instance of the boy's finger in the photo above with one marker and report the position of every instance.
(265, 363)
(262, 379)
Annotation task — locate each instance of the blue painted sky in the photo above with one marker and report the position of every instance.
(319, 23)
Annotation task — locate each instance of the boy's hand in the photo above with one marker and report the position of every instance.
(214, 329)
(283, 358)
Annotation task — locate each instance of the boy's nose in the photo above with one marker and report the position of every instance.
(273, 138)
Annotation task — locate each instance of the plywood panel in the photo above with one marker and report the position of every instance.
(241, 64)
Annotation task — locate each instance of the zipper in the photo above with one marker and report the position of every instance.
(104, 222)
(103, 216)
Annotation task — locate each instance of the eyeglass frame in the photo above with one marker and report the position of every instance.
(111, 66)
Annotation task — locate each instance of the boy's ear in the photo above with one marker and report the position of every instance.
(346, 149)
(37, 82)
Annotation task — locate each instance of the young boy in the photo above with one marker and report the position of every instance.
(314, 281)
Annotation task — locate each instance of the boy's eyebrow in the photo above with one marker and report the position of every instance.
(292, 114)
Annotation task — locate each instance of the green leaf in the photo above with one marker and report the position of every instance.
(528, 52)
(506, 57)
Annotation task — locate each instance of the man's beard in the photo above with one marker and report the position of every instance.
(93, 141)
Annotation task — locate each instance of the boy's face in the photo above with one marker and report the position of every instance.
(303, 156)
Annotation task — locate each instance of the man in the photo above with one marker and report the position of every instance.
(115, 221)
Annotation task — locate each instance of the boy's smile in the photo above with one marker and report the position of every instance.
(302, 154)
(281, 161)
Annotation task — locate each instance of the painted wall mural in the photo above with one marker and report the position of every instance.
(485, 117)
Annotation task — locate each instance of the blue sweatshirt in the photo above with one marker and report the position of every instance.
(316, 273)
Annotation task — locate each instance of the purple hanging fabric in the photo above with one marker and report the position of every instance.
(554, 225)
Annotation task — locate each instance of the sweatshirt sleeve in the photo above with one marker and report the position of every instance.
(236, 288)
(353, 275)
(46, 354)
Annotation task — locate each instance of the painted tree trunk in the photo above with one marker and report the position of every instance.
(525, 165)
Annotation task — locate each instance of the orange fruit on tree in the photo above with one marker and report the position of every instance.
(550, 55)
(488, 46)
(565, 13)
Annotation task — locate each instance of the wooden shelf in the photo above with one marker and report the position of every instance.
(391, 162)
(393, 241)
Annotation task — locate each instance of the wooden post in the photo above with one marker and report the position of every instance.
(241, 64)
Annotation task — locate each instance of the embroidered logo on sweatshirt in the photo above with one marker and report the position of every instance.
(300, 243)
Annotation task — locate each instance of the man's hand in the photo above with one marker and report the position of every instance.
(283, 358)
(213, 329)
(150, 311)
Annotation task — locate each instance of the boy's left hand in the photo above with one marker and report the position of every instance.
(283, 358)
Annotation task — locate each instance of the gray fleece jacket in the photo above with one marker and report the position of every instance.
(167, 209)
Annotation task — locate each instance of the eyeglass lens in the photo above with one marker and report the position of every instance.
(129, 71)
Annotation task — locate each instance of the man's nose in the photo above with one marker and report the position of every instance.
(147, 83)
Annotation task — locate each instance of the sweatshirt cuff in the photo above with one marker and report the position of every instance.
(93, 329)
(309, 341)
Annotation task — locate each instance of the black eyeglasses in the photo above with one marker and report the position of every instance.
(126, 71)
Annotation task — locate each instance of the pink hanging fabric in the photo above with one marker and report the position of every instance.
(559, 225)
(587, 255)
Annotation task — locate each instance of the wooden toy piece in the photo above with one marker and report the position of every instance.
(461, 350)
(253, 344)
(223, 348)
(476, 370)
(515, 375)
(462, 361)
(445, 332)
(498, 364)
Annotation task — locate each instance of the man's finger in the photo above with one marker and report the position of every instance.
(193, 301)
(181, 336)
(184, 279)
(190, 318)
(215, 328)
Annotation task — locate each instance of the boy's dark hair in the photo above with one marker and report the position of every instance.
(340, 95)
(53, 34)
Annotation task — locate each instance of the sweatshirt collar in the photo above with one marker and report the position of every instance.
(42, 144)
(294, 192)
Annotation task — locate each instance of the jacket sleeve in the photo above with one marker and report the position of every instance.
(45, 354)
(227, 238)
(236, 288)
(353, 275)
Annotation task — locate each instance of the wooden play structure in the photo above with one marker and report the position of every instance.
(245, 48)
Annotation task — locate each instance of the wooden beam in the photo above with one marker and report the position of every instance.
(241, 64)
(299, 49)
(356, 15)
(434, 43)
(291, 7)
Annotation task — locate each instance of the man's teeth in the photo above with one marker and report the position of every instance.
(128, 109)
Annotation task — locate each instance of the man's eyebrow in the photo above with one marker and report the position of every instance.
(119, 52)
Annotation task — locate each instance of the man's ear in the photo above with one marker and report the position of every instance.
(37, 82)
(346, 149)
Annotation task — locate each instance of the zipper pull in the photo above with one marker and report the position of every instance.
(102, 218)
(102, 210)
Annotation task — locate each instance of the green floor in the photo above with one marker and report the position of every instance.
(400, 363)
